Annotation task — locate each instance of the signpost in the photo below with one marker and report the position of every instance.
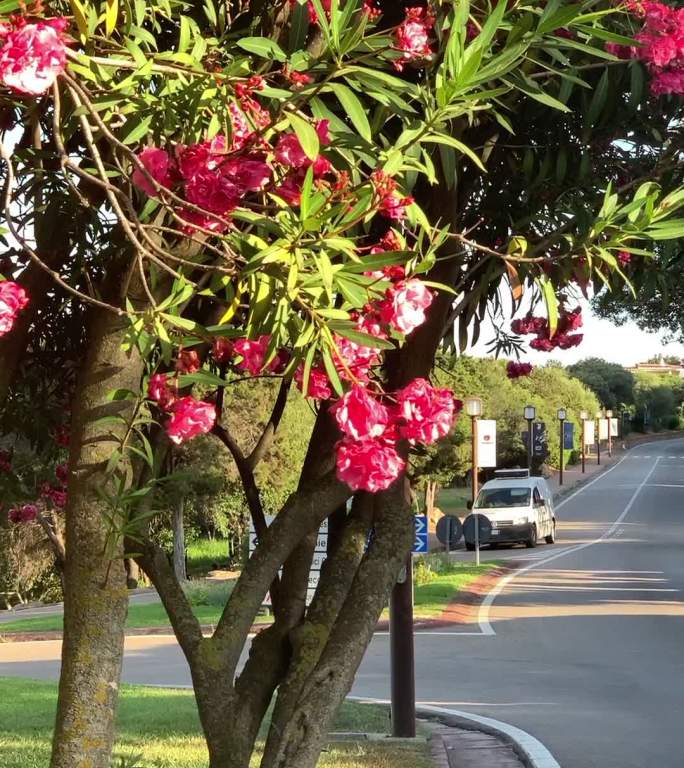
(420, 539)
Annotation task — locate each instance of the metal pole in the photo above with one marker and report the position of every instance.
(562, 442)
(598, 442)
(610, 441)
(584, 448)
(401, 656)
(475, 460)
(529, 445)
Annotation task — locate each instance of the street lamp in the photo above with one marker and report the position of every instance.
(599, 416)
(530, 415)
(473, 408)
(584, 415)
(562, 415)
(609, 416)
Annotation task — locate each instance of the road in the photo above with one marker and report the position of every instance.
(584, 648)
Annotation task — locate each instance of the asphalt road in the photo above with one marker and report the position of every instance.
(584, 648)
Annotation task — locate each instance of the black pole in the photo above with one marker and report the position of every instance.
(401, 656)
(562, 442)
(529, 445)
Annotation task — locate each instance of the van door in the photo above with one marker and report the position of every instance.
(539, 508)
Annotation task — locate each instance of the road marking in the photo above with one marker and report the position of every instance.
(666, 485)
(485, 606)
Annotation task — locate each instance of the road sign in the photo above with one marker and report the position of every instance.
(420, 539)
(320, 554)
(568, 435)
(449, 528)
(486, 443)
(484, 528)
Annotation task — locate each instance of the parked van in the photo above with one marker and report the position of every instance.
(519, 508)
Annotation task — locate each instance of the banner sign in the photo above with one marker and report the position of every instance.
(568, 435)
(603, 429)
(589, 433)
(539, 442)
(486, 443)
(614, 428)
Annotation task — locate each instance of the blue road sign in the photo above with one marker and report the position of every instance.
(420, 539)
(568, 435)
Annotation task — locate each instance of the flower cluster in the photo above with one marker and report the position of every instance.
(13, 299)
(388, 201)
(661, 45)
(188, 417)
(5, 462)
(367, 457)
(26, 513)
(32, 55)
(412, 36)
(517, 370)
(539, 326)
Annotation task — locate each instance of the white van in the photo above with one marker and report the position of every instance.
(519, 508)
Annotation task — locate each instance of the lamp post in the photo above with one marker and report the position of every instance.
(473, 408)
(584, 416)
(599, 416)
(530, 413)
(562, 415)
(609, 416)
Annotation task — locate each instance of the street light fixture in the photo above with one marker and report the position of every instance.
(609, 416)
(530, 413)
(473, 408)
(584, 415)
(562, 415)
(599, 416)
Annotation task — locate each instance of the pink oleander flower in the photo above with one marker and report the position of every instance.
(412, 36)
(222, 349)
(405, 304)
(289, 152)
(162, 390)
(359, 414)
(33, 56)
(319, 385)
(253, 355)
(159, 165)
(188, 361)
(372, 464)
(291, 188)
(5, 462)
(354, 361)
(664, 83)
(13, 299)
(517, 370)
(62, 473)
(27, 513)
(427, 413)
(624, 258)
(189, 418)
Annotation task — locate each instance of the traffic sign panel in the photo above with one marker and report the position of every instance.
(420, 539)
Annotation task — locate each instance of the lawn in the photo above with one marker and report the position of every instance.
(161, 727)
(438, 580)
(206, 555)
(452, 501)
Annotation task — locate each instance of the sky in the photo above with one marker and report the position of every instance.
(625, 344)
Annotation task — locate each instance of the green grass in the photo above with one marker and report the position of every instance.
(438, 580)
(452, 501)
(162, 727)
(205, 555)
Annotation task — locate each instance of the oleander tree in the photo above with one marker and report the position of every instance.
(320, 193)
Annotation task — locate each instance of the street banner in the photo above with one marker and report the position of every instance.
(568, 435)
(486, 443)
(589, 433)
(603, 429)
(539, 442)
(615, 428)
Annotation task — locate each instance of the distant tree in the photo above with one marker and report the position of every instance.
(673, 360)
(611, 383)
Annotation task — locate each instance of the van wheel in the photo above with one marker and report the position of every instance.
(470, 547)
(551, 538)
(532, 541)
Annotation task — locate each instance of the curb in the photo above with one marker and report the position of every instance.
(530, 750)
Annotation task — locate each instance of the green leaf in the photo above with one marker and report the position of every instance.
(598, 100)
(667, 230)
(450, 141)
(354, 109)
(142, 128)
(349, 331)
(551, 301)
(306, 134)
(262, 46)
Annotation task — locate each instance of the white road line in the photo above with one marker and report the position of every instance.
(666, 485)
(483, 613)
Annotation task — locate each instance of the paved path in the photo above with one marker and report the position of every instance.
(583, 649)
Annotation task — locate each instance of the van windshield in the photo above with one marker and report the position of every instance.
(496, 498)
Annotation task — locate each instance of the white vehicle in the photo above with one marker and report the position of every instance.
(519, 508)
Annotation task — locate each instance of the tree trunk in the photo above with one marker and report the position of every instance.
(179, 541)
(95, 600)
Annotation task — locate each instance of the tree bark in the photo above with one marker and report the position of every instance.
(179, 541)
(95, 600)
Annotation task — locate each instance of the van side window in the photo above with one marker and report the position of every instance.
(536, 496)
